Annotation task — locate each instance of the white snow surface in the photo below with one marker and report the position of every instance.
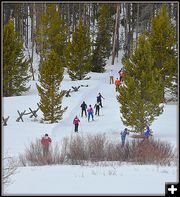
(73, 179)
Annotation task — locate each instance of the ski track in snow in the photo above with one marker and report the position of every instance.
(68, 120)
(101, 85)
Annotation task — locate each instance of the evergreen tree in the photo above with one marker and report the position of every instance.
(163, 42)
(15, 65)
(140, 96)
(98, 60)
(103, 45)
(52, 32)
(105, 28)
(50, 77)
(78, 53)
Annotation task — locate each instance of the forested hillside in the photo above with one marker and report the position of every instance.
(82, 37)
(119, 23)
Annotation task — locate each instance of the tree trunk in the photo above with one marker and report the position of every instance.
(125, 12)
(6, 13)
(137, 24)
(118, 23)
(74, 18)
(115, 34)
(69, 20)
(32, 39)
(27, 10)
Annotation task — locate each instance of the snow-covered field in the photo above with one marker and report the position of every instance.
(125, 179)
(60, 179)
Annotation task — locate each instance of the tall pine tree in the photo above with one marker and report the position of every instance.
(50, 77)
(103, 43)
(52, 32)
(163, 42)
(15, 65)
(78, 53)
(140, 96)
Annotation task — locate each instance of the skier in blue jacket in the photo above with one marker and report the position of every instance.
(123, 136)
(147, 132)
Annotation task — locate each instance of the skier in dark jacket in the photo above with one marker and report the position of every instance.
(83, 109)
(99, 99)
(97, 107)
(121, 74)
(123, 136)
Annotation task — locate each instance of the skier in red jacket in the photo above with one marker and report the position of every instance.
(45, 141)
(117, 84)
(76, 123)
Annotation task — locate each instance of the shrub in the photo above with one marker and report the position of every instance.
(93, 148)
(76, 150)
(34, 155)
(149, 151)
(9, 168)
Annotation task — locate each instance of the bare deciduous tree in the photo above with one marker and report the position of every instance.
(9, 168)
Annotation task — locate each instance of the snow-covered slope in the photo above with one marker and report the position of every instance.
(77, 179)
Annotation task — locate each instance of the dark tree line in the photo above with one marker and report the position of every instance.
(135, 18)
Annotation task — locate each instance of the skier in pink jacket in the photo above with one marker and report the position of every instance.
(90, 113)
(76, 123)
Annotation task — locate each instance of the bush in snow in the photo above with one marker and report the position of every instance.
(76, 150)
(95, 147)
(79, 150)
(153, 151)
(9, 168)
(33, 155)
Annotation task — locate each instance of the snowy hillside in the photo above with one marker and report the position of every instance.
(114, 179)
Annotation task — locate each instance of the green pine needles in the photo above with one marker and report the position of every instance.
(102, 46)
(50, 77)
(52, 32)
(15, 66)
(78, 53)
(163, 41)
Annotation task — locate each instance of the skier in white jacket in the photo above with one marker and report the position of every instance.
(111, 77)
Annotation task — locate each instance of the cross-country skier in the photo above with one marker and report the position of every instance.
(121, 74)
(111, 77)
(123, 136)
(90, 113)
(76, 123)
(97, 107)
(117, 84)
(99, 99)
(83, 109)
(147, 132)
(45, 141)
